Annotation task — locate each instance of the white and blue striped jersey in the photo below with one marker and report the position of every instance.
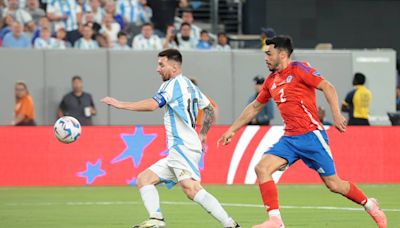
(181, 100)
(65, 7)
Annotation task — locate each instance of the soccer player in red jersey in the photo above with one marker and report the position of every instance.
(292, 86)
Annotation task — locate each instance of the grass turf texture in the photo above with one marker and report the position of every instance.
(110, 207)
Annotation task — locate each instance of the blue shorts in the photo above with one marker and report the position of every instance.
(312, 148)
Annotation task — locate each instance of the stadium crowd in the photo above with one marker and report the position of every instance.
(93, 24)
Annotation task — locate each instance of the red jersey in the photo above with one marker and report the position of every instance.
(293, 90)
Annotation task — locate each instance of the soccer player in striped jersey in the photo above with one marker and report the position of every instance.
(292, 86)
(181, 100)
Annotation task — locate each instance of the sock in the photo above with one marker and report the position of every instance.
(212, 206)
(368, 205)
(269, 194)
(356, 195)
(151, 201)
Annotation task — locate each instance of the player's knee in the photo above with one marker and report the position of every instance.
(141, 180)
(261, 168)
(191, 191)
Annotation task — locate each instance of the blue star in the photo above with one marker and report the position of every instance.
(92, 172)
(135, 143)
(132, 181)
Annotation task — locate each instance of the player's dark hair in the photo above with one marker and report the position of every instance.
(147, 24)
(187, 10)
(171, 54)
(281, 42)
(359, 79)
(203, 31)
(76, 77)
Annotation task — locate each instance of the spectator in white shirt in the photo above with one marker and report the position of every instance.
(20, 15)
(86, 42)
(61, 42)
(122, 42)
(66, 13)
(223, 42)
(110, 28)
(97, 10)
(186, 41)
(32, 7)
(146, 40)
(187, 17)
(45, 41)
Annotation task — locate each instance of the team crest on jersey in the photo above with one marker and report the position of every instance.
(289, 79)
(317, 74)
(273, 86)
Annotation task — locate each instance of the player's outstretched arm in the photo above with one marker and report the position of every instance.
(331, 96)
(247, 115)
(141, 106)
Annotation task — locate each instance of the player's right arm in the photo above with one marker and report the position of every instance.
(249, 113)
(141, 106)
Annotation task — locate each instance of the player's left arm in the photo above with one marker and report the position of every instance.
(332, 98)
(141, 106)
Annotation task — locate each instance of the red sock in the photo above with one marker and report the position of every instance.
(356, 195)
(269, 194)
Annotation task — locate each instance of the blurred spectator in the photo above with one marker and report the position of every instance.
(45, 41)
(357, 101)
(84, 5)
(20, 15)
(170, 40)
(98, 12)
(135, 14)
(321, 115)
(186, 41)
(266, 33)
(86, 42)
(24, 107)
(187, 17)
(398, 98)
(66, 13)
(32, 7)
(77, 103)
(204, 42)
(2, 6)
(8, 21)
(110, 8)
(61, 41)
(102, 41)
(43, 22)
(147, 40)
(223, 42)
(30, 29)
(88, 18)
(265, 116)
(122, 42)
(165, 12)
(16, 38)
(110, 28)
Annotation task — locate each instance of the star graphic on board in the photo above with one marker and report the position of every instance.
(92, 172)
(135, 143)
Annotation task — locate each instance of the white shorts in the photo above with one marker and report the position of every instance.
(181, 163)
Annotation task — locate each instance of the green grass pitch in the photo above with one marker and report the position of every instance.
(108, 207)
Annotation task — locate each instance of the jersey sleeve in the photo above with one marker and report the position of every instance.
(264, 95)
(164, 94)
(203, 100)
(309, 75)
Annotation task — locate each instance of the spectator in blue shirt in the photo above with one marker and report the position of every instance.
(16, 38)
(204, 42)
(265, 116)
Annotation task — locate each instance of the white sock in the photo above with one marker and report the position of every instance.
(212, 206)
(151, 201)
(368, 205)
(274, 212)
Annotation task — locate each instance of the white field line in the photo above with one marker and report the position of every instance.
(89, 203)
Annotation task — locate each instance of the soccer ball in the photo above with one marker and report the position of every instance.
(67, 129)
